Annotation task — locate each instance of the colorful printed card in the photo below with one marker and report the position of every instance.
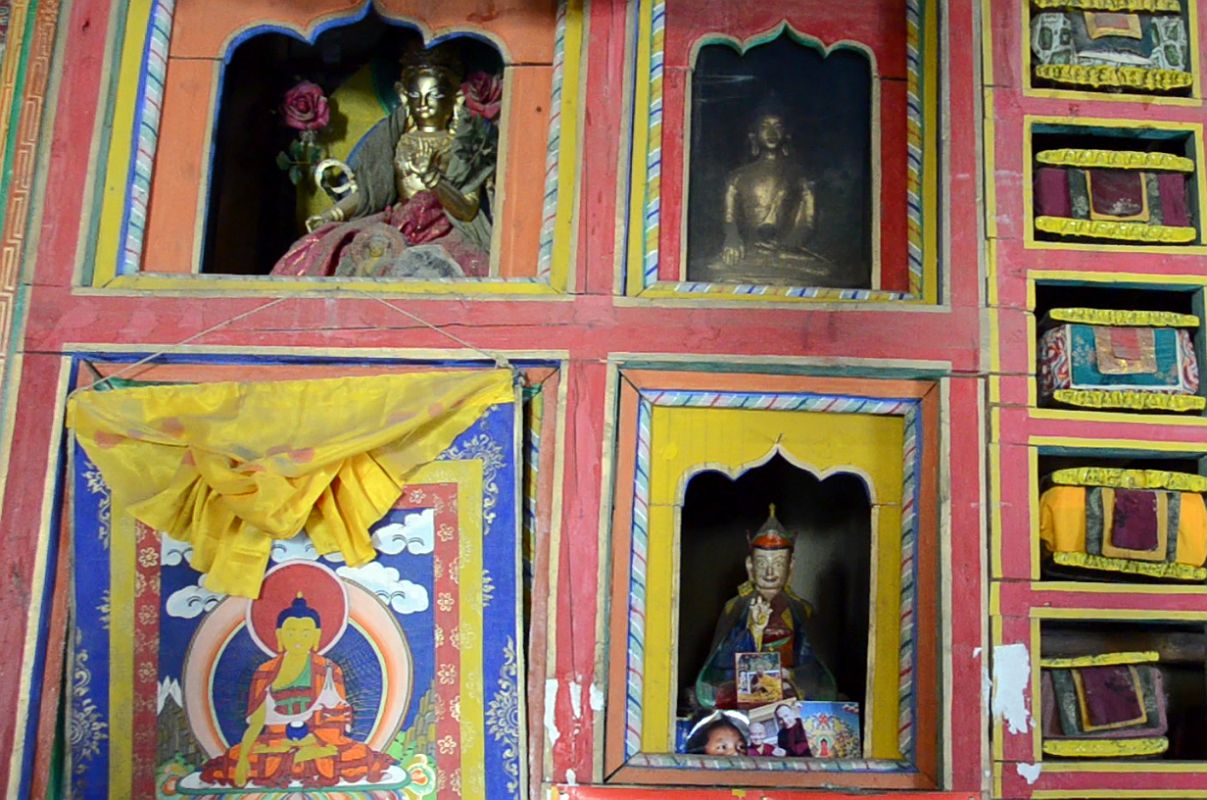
(396, 679)
(832, 728)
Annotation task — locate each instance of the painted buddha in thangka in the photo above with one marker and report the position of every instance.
(298, 717)
(414, 198)
(765, 617)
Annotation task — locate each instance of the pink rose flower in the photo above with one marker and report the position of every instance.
(483, 95)
(305, 107)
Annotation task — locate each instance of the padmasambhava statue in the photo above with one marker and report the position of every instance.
(414, 199)
(768, 214)
(765, 617)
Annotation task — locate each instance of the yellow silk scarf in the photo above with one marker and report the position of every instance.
(229, 467)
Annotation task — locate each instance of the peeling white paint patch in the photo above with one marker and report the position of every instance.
(986, 685)
(563, 796)
(595, 698)
(976, 652)
(1011, 676)
(551, 731)
(571, 778)
(1029, 772)
(576, 699)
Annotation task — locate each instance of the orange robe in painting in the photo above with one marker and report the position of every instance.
(273, 759)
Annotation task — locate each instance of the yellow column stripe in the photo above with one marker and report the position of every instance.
(121, 141)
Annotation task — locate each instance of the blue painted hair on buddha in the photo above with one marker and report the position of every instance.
(298, 609)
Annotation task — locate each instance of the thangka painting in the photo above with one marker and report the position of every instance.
(395, 680)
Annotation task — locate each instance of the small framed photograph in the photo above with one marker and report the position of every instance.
(780, 725)
(759, 678)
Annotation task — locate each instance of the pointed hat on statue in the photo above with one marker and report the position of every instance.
(773, 535)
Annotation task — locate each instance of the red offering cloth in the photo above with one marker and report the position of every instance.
(1134, 525)
(1110, 695)
(1174, 210)
(1117, 193)
(1052, 192)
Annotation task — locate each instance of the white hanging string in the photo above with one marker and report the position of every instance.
(498, 358)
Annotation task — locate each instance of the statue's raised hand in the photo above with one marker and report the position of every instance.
(760, 615)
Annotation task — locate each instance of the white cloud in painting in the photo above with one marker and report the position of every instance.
(191, 601)
(173, 551)
(298, 548)
(404, 596)
(416, 532)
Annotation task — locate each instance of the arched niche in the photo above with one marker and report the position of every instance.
(827, 233)
(831, 518)
(164, 152)
(255, 209)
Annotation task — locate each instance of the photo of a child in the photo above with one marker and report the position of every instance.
(721, 733)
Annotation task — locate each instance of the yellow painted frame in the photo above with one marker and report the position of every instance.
(128, 53)
(1193, 128)
(627, 759)
(1029, 90)
(824, 444)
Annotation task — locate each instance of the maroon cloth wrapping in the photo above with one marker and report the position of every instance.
(1117, 192)
(1052, 192)
(1134, 526)
(1110, 695)
(421, 220)
(1174, 209)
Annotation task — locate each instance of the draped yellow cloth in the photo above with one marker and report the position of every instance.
(229, 467)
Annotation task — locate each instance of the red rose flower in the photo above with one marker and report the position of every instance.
(305, 107)
(483, 95)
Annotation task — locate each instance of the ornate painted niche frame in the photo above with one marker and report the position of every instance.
(163, 105)
(654, 265)
(891, 442)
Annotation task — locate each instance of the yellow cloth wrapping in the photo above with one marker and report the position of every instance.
(1062, 523)
(229, 467)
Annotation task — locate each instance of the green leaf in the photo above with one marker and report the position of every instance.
(295, 150)
(295, 175)
(283, 162)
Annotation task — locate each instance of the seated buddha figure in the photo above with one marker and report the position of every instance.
(298, 719)
(768, 214)
(765, 617)
(413, 200)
